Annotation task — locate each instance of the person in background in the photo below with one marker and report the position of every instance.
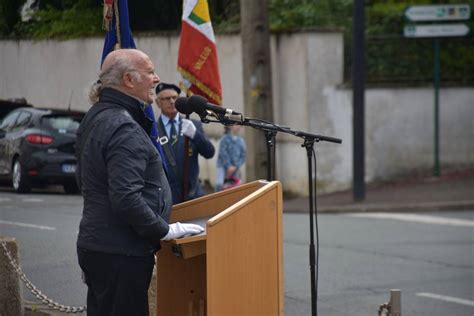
(232, 152)
(183, 170)
(127, 198)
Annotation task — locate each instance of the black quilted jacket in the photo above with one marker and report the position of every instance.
(127, 199)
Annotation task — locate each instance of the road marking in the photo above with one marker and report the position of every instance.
(32, 200)
(27, 225)
(447, 298)
(427, 219)
(5, 199)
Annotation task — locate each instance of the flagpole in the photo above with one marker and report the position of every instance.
(185, 187)
(197, 43)
(118, 45)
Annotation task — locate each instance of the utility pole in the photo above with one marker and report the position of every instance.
(257, 81)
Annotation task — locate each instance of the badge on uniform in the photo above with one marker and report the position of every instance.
(163, 140)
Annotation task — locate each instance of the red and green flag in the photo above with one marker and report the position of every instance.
(197, 58)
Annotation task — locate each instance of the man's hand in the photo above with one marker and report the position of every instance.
(178, 230)
(188, 128)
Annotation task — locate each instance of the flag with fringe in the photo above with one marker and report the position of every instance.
(197, 57)
(116, 23)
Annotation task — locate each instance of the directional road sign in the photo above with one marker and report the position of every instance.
(443, 12)
(436, 30)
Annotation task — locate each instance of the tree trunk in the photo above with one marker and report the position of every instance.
(257, 81)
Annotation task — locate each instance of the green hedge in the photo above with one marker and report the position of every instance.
(390, 58)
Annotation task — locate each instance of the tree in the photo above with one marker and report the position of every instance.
(9, 15)
(257, 78)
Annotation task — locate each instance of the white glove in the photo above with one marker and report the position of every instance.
(188, 128)
(178, 230)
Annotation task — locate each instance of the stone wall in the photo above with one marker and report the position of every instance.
(308, 95)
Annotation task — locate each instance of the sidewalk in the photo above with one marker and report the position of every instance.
(451, 191)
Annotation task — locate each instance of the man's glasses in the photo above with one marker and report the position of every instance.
(168, 99)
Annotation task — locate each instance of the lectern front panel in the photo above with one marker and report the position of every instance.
(236, 266)
(181, 284)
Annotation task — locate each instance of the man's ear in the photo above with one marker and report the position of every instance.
(157, 101)
(128, 80)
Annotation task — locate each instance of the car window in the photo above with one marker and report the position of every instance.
(63, 123)
(23, 119)
(9, 121)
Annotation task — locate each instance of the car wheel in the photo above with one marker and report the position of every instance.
(19, 178)
(70, 188)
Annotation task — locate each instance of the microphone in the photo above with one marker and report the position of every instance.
(204, 109)
(200, 105)
(183, 106)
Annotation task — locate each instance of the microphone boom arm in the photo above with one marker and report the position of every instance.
(272, 127)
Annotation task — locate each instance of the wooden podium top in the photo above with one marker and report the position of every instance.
(208, 210)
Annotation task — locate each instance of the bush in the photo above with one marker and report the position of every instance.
(390, 58)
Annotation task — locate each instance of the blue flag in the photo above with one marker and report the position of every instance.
(126, 41)
(111, 38)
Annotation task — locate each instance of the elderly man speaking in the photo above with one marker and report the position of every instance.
(127, 198)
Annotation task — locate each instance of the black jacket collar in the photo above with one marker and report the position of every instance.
(132, 105)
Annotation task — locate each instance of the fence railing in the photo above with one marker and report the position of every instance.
(399, 60)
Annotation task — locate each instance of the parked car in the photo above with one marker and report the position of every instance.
(37, 148)
(8, 105)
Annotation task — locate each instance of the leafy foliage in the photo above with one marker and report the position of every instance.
(295, 14)
(153, 15)
(9, 15)
(63, 24)
(61, 19)
(389, 56)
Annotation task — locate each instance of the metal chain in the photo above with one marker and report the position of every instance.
(37, 293)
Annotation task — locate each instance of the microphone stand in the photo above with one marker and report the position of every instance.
(309, 140)
(313, 263)
(270, 130)
(270, 137)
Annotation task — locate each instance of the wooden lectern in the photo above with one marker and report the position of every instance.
(236, 266)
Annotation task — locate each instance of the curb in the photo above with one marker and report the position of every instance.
(38, 309)
(382, 207)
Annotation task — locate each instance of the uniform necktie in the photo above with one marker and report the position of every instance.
(173, 134)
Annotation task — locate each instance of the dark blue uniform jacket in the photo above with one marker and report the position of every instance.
(199, 145)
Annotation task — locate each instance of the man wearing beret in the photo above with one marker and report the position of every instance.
(182, 171)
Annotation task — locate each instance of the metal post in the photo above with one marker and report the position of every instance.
(358, 87)
(10, 294)
(436, 47)
(395, 303)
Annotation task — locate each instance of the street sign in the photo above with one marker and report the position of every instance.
(443, 12)
(435, 13)
(436, 30)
